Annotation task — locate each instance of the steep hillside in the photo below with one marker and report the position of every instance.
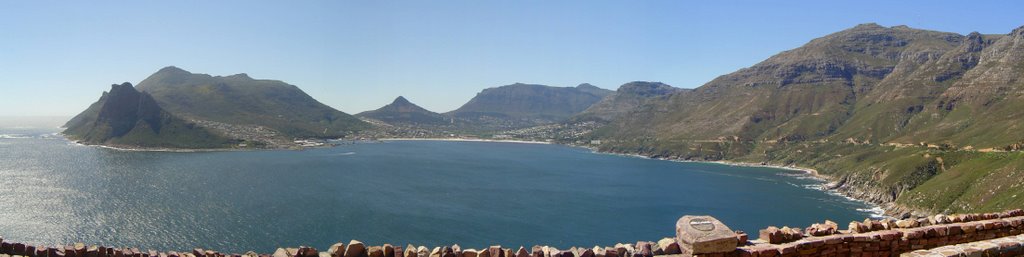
(126, 117)
(241, 100)
(401, 111)
(910, 118)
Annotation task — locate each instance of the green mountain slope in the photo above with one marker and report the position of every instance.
(126, 117)
(628, 97)
(530, 104)
(401, 111)
(241, 100)
(906, 117)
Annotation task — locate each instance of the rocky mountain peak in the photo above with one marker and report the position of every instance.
(646, 89)
(172, 70)
(1018, 32)
(240, 76)
(868, 26)
(400, 100)
(123, 88)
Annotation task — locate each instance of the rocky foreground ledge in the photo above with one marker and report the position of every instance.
(984, 234)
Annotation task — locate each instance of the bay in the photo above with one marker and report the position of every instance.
(474, 194)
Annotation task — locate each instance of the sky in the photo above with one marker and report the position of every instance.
(57, 57)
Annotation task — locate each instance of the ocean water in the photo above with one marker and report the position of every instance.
(474, 194)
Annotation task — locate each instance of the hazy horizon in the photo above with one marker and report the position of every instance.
(358, 56)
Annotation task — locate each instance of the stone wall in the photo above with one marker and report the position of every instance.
(989, 234)
(883, 237)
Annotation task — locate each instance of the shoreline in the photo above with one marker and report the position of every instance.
(873, 210)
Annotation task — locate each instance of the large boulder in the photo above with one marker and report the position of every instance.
(704, 235)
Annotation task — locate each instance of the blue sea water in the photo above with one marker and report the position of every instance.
(474, 194)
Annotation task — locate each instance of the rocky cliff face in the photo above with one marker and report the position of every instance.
(126, 117)
(910, 118)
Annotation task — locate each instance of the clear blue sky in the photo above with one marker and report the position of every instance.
(57, 57)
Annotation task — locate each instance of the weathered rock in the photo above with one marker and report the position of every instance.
(610, 252)
(308, 252)
(69, 251)
(906, 223)
(855, 227)
(889, 223)
(704, 234)
(355, 249)
(624, 250)
(598, 251)
(939, 219)
(791, 234)
(448, 251)
(537, 251)
(585, 252)
(17, 249)
(550, 251)
(771, 235)
(522, 252)
(495, 251)
(280, 252)
(337, 250)
(669, 246)
(643, 249)
(410, 251)
(375, 251)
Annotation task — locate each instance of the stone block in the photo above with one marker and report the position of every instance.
(704, 235)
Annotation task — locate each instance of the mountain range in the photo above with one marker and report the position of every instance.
(919, 121)
(910, 118)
